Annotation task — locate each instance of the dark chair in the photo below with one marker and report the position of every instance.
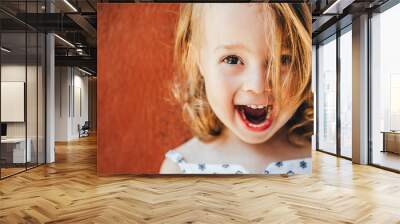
(84, 130)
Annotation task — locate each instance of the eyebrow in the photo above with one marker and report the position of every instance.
(237, 46)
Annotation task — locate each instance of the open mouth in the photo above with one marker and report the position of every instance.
(255, 117)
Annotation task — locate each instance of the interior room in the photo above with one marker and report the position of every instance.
(71, 135)
(334, 56)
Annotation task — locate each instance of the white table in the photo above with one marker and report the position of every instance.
(19, 155)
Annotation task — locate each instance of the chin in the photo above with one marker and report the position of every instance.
(251, 139)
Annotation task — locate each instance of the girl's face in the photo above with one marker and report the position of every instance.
(233, 61)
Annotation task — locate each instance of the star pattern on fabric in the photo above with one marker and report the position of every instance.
(303, 164)
(290, 172)
(202, 166)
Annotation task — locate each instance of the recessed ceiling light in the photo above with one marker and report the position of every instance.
(64, 40)
(5, 50)
(338, 6)
(84, 71)
(70, 5)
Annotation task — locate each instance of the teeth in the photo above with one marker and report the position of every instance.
(255, 106)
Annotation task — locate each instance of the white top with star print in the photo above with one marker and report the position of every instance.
(289, 167)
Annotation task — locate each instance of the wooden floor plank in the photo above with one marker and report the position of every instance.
(69, 191)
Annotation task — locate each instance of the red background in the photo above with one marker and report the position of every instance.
(136, 123)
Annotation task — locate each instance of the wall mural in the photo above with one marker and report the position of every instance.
(204, 88)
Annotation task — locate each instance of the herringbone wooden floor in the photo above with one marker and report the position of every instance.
(69, 191)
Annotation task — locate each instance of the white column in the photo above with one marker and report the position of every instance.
(360, 90)
(50, 92)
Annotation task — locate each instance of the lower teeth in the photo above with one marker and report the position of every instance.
(257, 125)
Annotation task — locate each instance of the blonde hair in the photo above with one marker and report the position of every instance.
(292, 29)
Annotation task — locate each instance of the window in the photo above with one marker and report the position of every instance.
(346, 75)
(327, 96)
(385, 89)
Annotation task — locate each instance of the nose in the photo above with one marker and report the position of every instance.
(255, 80)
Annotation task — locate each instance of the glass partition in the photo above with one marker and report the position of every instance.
(14, 153)
(41, 87)
(31, 100)
(22, 88)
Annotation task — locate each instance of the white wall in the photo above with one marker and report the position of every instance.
(12, 73)
(81, 103)
(62, 81)
(71, 94)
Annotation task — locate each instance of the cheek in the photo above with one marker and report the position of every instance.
(220, 89)
(285, 112)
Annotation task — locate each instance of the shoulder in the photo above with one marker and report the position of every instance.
(189, 148)
(184, 151)
(193, 151)
(169, 167)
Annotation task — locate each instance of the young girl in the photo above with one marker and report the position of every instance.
(244, 84)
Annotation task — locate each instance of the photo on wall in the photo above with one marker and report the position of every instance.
(204, 88)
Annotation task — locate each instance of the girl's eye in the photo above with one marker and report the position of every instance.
(286, 59)
(232, 60)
